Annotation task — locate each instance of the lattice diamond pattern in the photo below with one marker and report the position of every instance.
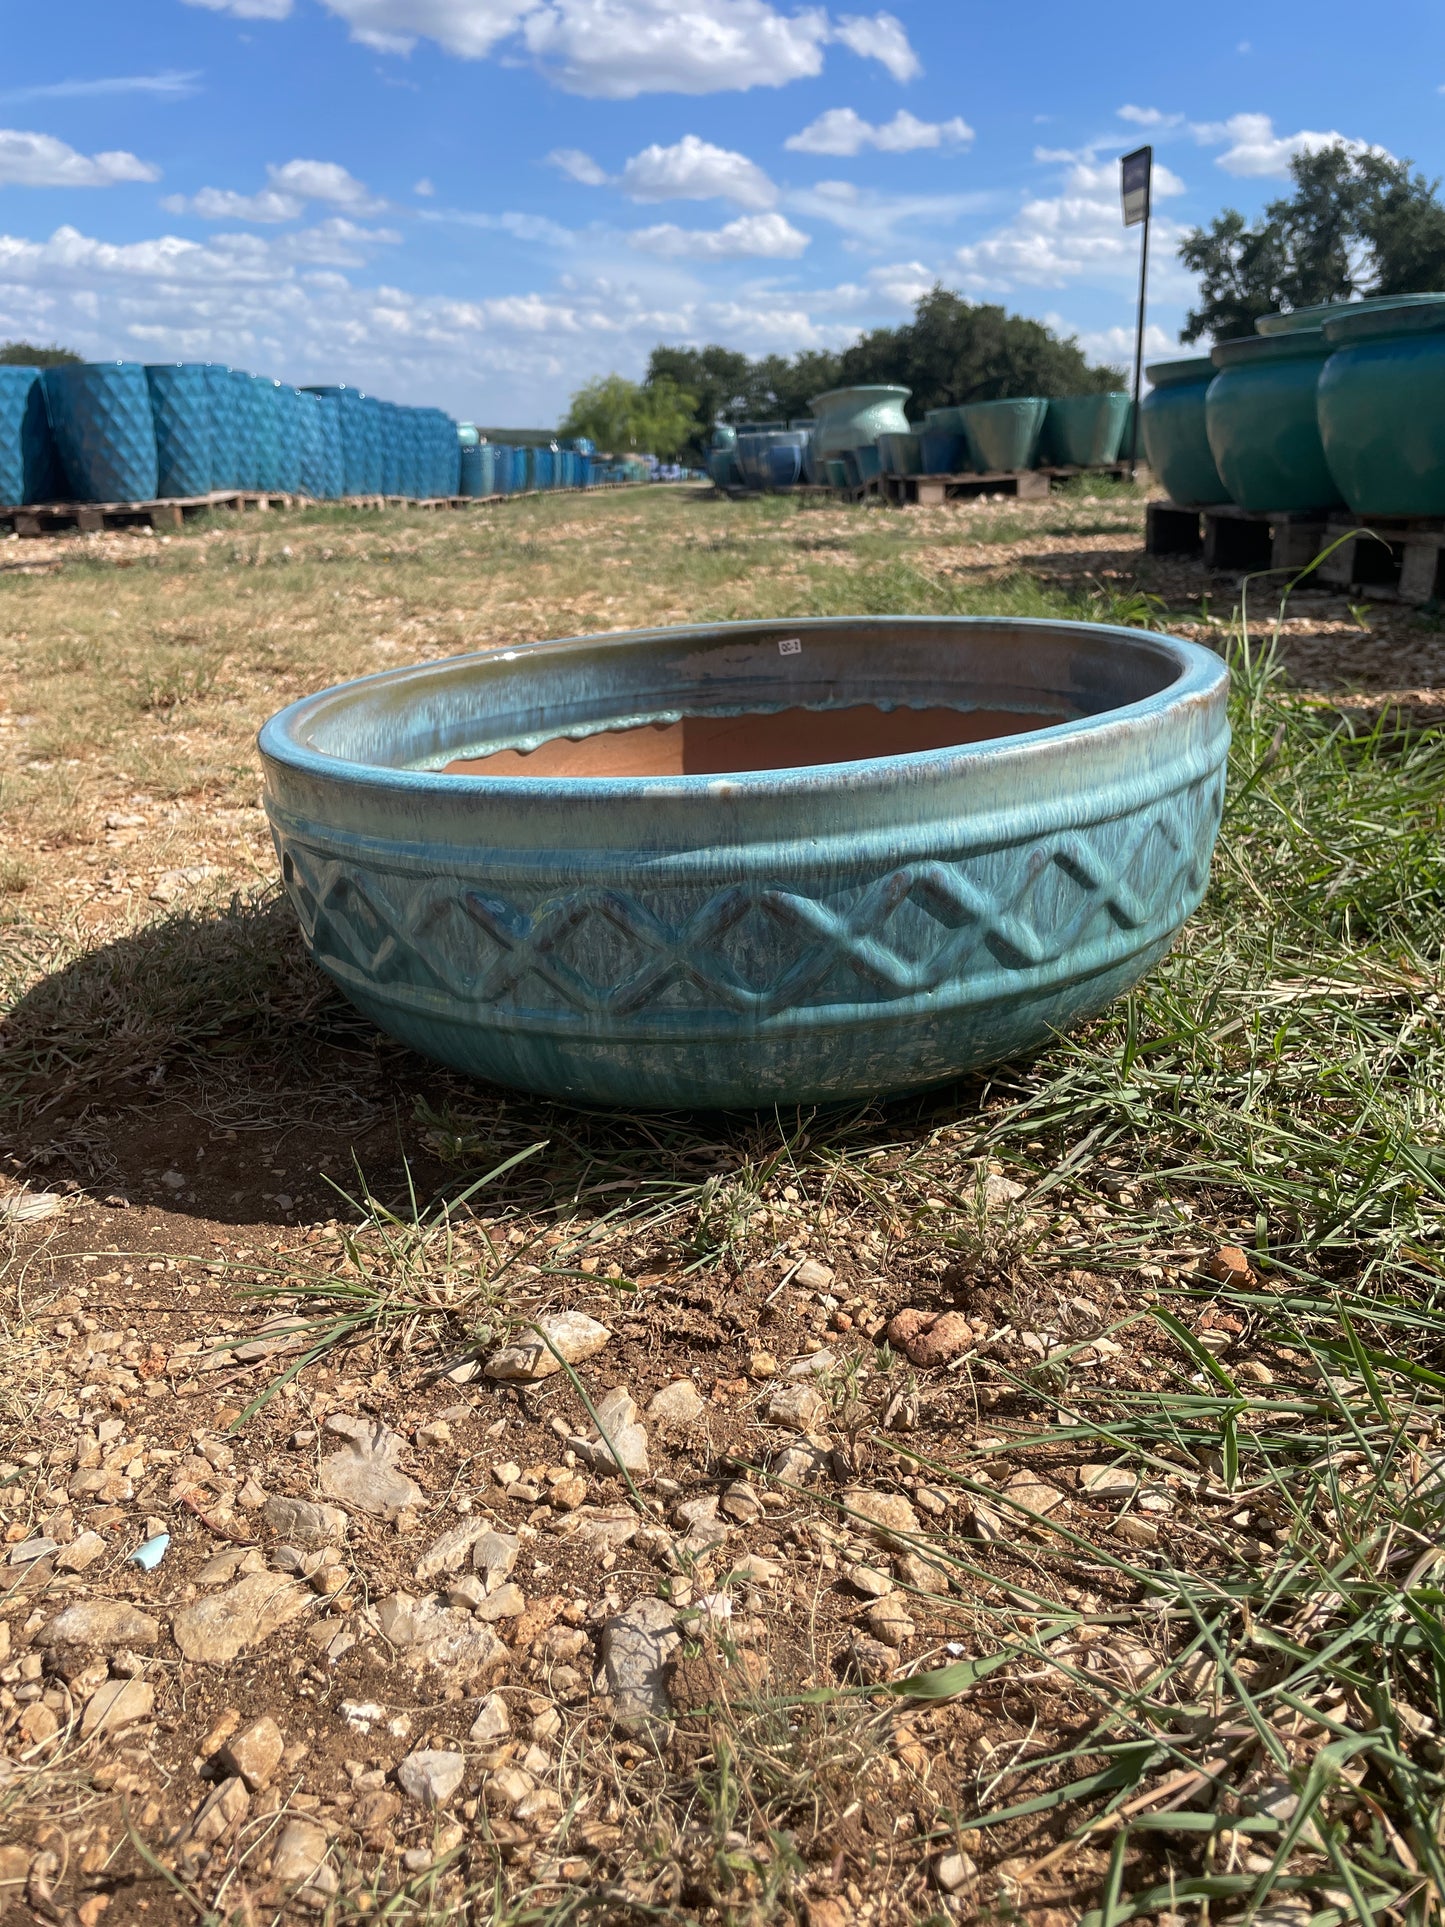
(602, 951)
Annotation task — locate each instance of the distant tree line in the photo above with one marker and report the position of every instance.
(25, 354)
(1355, 224)
(952, 351)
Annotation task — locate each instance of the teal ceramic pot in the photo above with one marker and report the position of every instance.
(798, 932)
(1260, 416)
(1003, 436)
(852, 417)
(1086, 431)
(1381, 403)
(899, 454)
(722, 465)
(104, 432)
(29, 467)
(1172, 429)
(837, 472)
(867, 461)
(1283, 324)
(943, 451)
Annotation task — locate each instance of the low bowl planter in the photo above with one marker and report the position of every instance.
(756, 863)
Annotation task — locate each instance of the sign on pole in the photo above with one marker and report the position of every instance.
(1135, 172)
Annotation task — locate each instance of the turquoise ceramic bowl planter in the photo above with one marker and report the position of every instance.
(1381, 402)
(1172, 429)
(1086, 431)
(850, 417)
(793, 932)
(1003, 436)
(1262, 424)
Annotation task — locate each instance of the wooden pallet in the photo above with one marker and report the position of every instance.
(1234, 539)
(1390, 559)
(929, 491)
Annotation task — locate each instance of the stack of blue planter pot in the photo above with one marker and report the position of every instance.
(181, 414)
(29, 466)
(100, 416)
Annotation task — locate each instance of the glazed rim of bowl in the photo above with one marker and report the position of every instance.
(1362, 323)
(1300, 344)
(1164, 374)
(1315, 317)
(1123, 678)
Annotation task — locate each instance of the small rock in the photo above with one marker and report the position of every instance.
(120, 1702)
(1229, 1266)
(98, 1625)
(888, 1620)
(431, 1634)
(431, 1777)
(465, 1592)
(492, 1723)
(452, 1551)
(365, 1475)
(762, 1365)
(635, 1648)
(507, 1602)
(1107, 1481)
(999, 1192)
(680, 1403)
(567, 1494)
(215, 1630)
(740, 1502)
(868, 1581)
(1251, 1370)
(811, 1275)
(304, 1523)
(1135, 1531)
(29, 1207)
(224, 1809)
(952, 1870)
(799, 1465)
(494, 1555)
(887, 1513)
(437, 1433)
(29, 1550)
(602, 1528)
(255, 1753)
(871, 1660)
(529, 1358)
(82, 1551)
(921, 1575)
(300, 1853)
(945, 1338)
(1033, 1495)
(814, 1365)
(797, 1408)
(37, 1724)
(620, 1443)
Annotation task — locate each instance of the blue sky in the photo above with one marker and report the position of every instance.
(482, 203)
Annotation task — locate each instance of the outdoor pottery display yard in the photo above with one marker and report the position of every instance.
(422, 1501)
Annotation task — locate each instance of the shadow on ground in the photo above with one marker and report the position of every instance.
(203, 1063)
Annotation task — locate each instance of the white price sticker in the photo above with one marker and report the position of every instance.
(790, 646)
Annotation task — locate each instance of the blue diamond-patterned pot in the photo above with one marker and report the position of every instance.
(835, 930)
(100, 415)
(265, 432)
(286, 404)
(29, 466)
(391, 448)
(352, 420)
(224, 393)
(471, 477)
(373, 443)
(248, 437)
(320, 446)
(181, 411)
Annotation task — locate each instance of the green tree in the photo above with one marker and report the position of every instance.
(955, 351)
(623, 416)
(25, 354)
(1354, 224)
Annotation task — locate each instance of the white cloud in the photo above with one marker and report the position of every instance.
(579, 166)
(1150, 117)
(872, 219)
(1255, 151)
(618, 49)
(39, 160)
(883, 39)
(224, 204)
(842, 131)
(424, 188)
(169, 85)
(1055, 239)
(247, 9)
(695, 170)
(1114, 347)
(324, 181)
(770, 236)
(469, 28)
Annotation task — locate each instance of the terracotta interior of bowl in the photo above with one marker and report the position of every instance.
(730, 745)
(698, 702)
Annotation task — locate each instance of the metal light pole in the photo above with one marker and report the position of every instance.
(1135, 176)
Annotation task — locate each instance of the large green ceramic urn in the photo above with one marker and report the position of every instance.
(1260, 418)
(1176, 443)
(1382, 406)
